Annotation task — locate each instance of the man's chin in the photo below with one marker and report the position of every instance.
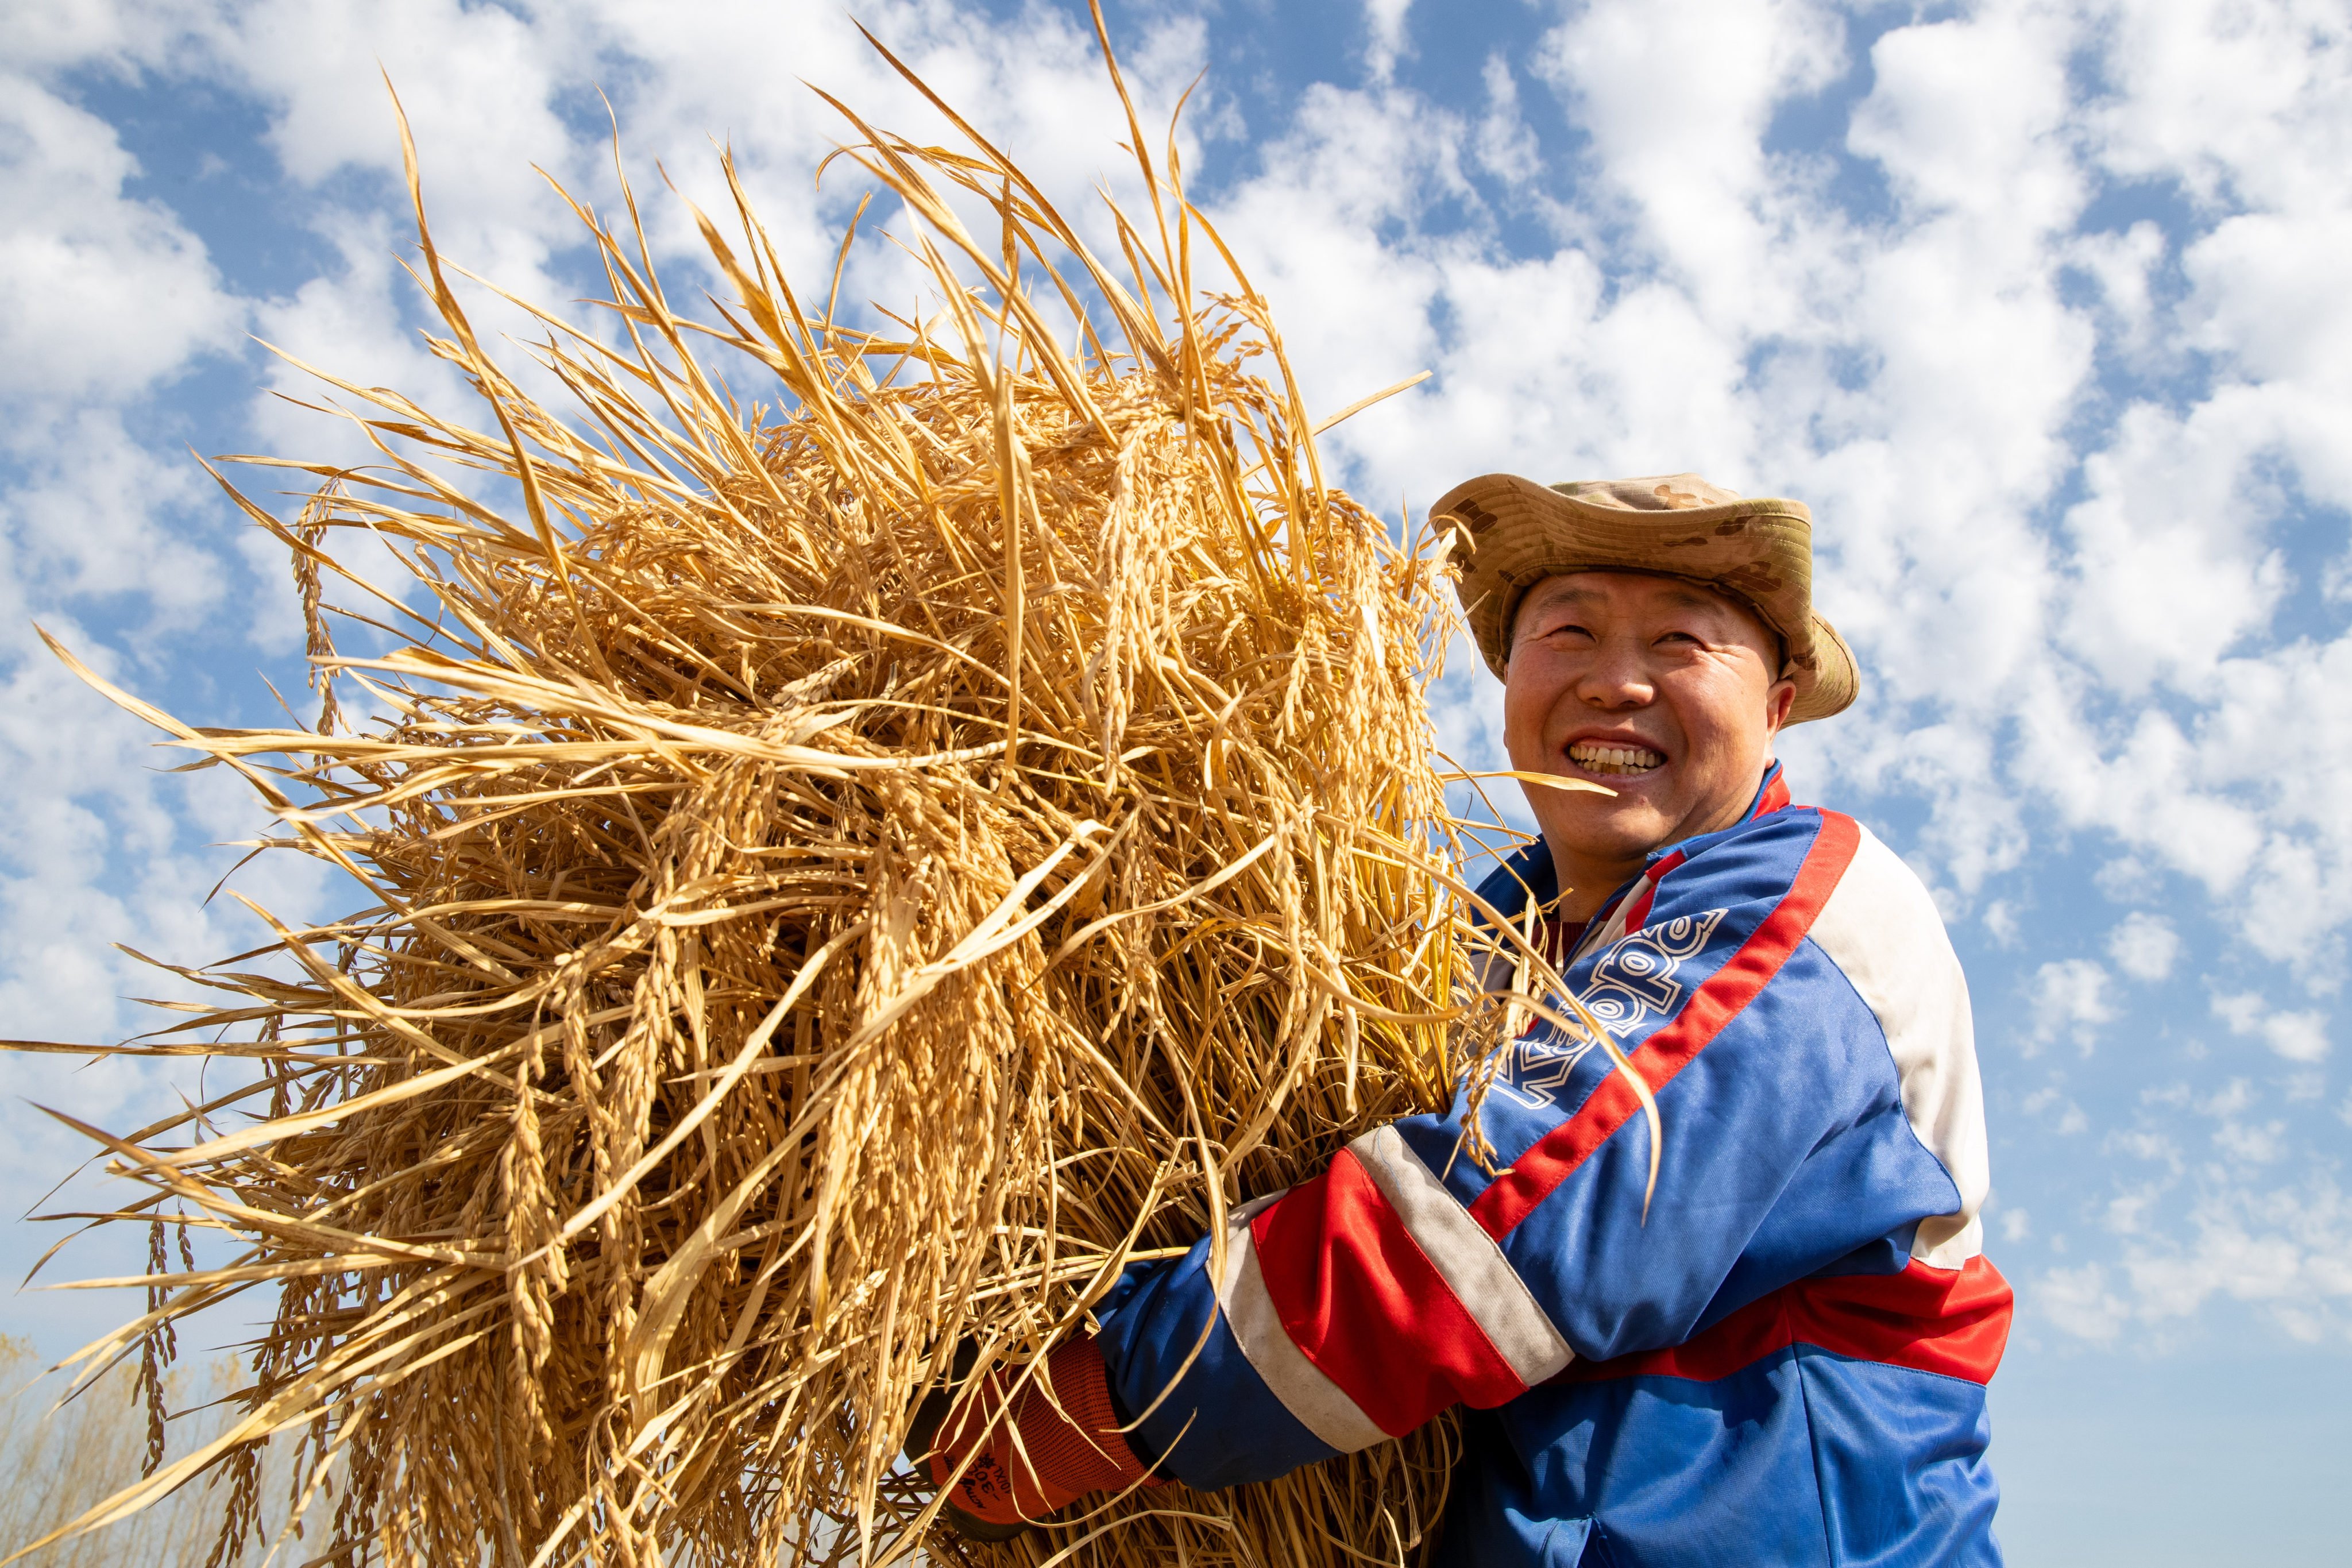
(1598, 827)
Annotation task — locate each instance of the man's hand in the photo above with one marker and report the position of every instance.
(1057, 1437)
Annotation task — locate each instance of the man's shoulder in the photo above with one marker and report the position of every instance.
(1763, 858)
(1882, 929)
(1847, 887)
(1806, 873)
(1878, 892)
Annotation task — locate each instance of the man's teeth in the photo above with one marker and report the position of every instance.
(1599, 759)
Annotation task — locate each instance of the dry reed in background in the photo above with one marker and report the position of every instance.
(842, 877)
(60, 1460)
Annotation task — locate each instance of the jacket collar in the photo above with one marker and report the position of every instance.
(1771, 796)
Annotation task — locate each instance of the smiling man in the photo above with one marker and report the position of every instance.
(1777, 1358)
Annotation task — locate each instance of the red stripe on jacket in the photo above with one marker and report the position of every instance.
(1555, 1155)
(1950, 1320)
(1362, 1301)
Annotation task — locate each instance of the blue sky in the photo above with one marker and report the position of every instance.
(2037, 305)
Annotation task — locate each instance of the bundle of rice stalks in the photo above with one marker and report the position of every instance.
(845, 875)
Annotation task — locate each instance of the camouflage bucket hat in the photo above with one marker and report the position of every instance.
(1510, 533)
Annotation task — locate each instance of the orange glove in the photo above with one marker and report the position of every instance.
(1030, 1458)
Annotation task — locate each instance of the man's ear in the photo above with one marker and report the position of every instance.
(1777, 704)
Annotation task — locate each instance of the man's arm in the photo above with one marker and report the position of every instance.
(1787, 992)
(1405, 1278)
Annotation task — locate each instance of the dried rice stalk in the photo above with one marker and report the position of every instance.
(841, 881)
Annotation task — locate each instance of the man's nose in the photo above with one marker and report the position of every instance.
(1618, 677)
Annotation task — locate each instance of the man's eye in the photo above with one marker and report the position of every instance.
(1678, 637)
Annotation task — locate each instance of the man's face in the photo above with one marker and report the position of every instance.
(1664, 691)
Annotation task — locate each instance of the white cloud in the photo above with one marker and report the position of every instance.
(2238, 104)
(1384, 20)
(2178, 569)
(2069, 1117)
(2282, 1250)
(2144, 946)
(2127, 1211)
(1676, 97)
(1506, 146)
(2120, 265)
(1968, 116)
(475, 81)
(2079, 1302)
(2069, 996)
(2233, 1099)
(2173, 561)
(105, 294)
(93, 514)
(2299, 1037)
(2153, 1147)
(2259, 1145)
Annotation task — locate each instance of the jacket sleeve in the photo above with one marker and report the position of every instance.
(1406, 1278)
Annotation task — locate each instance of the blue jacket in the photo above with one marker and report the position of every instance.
(1785, 1363)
